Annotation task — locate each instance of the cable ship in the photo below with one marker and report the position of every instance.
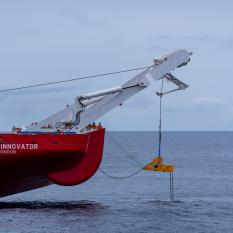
(67, 148)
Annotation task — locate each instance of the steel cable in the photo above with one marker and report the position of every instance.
(73, 79)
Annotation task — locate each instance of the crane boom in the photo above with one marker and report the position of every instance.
(91, 106)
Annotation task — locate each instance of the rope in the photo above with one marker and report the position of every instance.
(172, 187)
(160, 94)
(118, 146)
(129, 154)
(120, 177)
(160, 117)
(73, 79)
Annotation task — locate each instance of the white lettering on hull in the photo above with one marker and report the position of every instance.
(11, 148)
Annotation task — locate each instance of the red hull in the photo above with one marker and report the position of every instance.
(30, 161)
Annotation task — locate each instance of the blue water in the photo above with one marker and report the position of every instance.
(203, 190)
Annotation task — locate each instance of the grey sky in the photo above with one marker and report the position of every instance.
(52, 40)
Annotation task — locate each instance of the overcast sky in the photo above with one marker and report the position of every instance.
(43, 41)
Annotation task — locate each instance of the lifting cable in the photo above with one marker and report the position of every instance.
(172, 187)
(73, 79)
(160, 94)
(160, 117)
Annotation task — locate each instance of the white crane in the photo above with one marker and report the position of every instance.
(89, 107)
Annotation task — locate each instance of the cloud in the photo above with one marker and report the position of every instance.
(204, 104)
(207, 100)
(206, 42)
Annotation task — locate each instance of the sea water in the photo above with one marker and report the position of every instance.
(203, 182)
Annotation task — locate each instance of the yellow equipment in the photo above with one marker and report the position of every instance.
(157, 165)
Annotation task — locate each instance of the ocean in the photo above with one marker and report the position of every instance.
(203, 181)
